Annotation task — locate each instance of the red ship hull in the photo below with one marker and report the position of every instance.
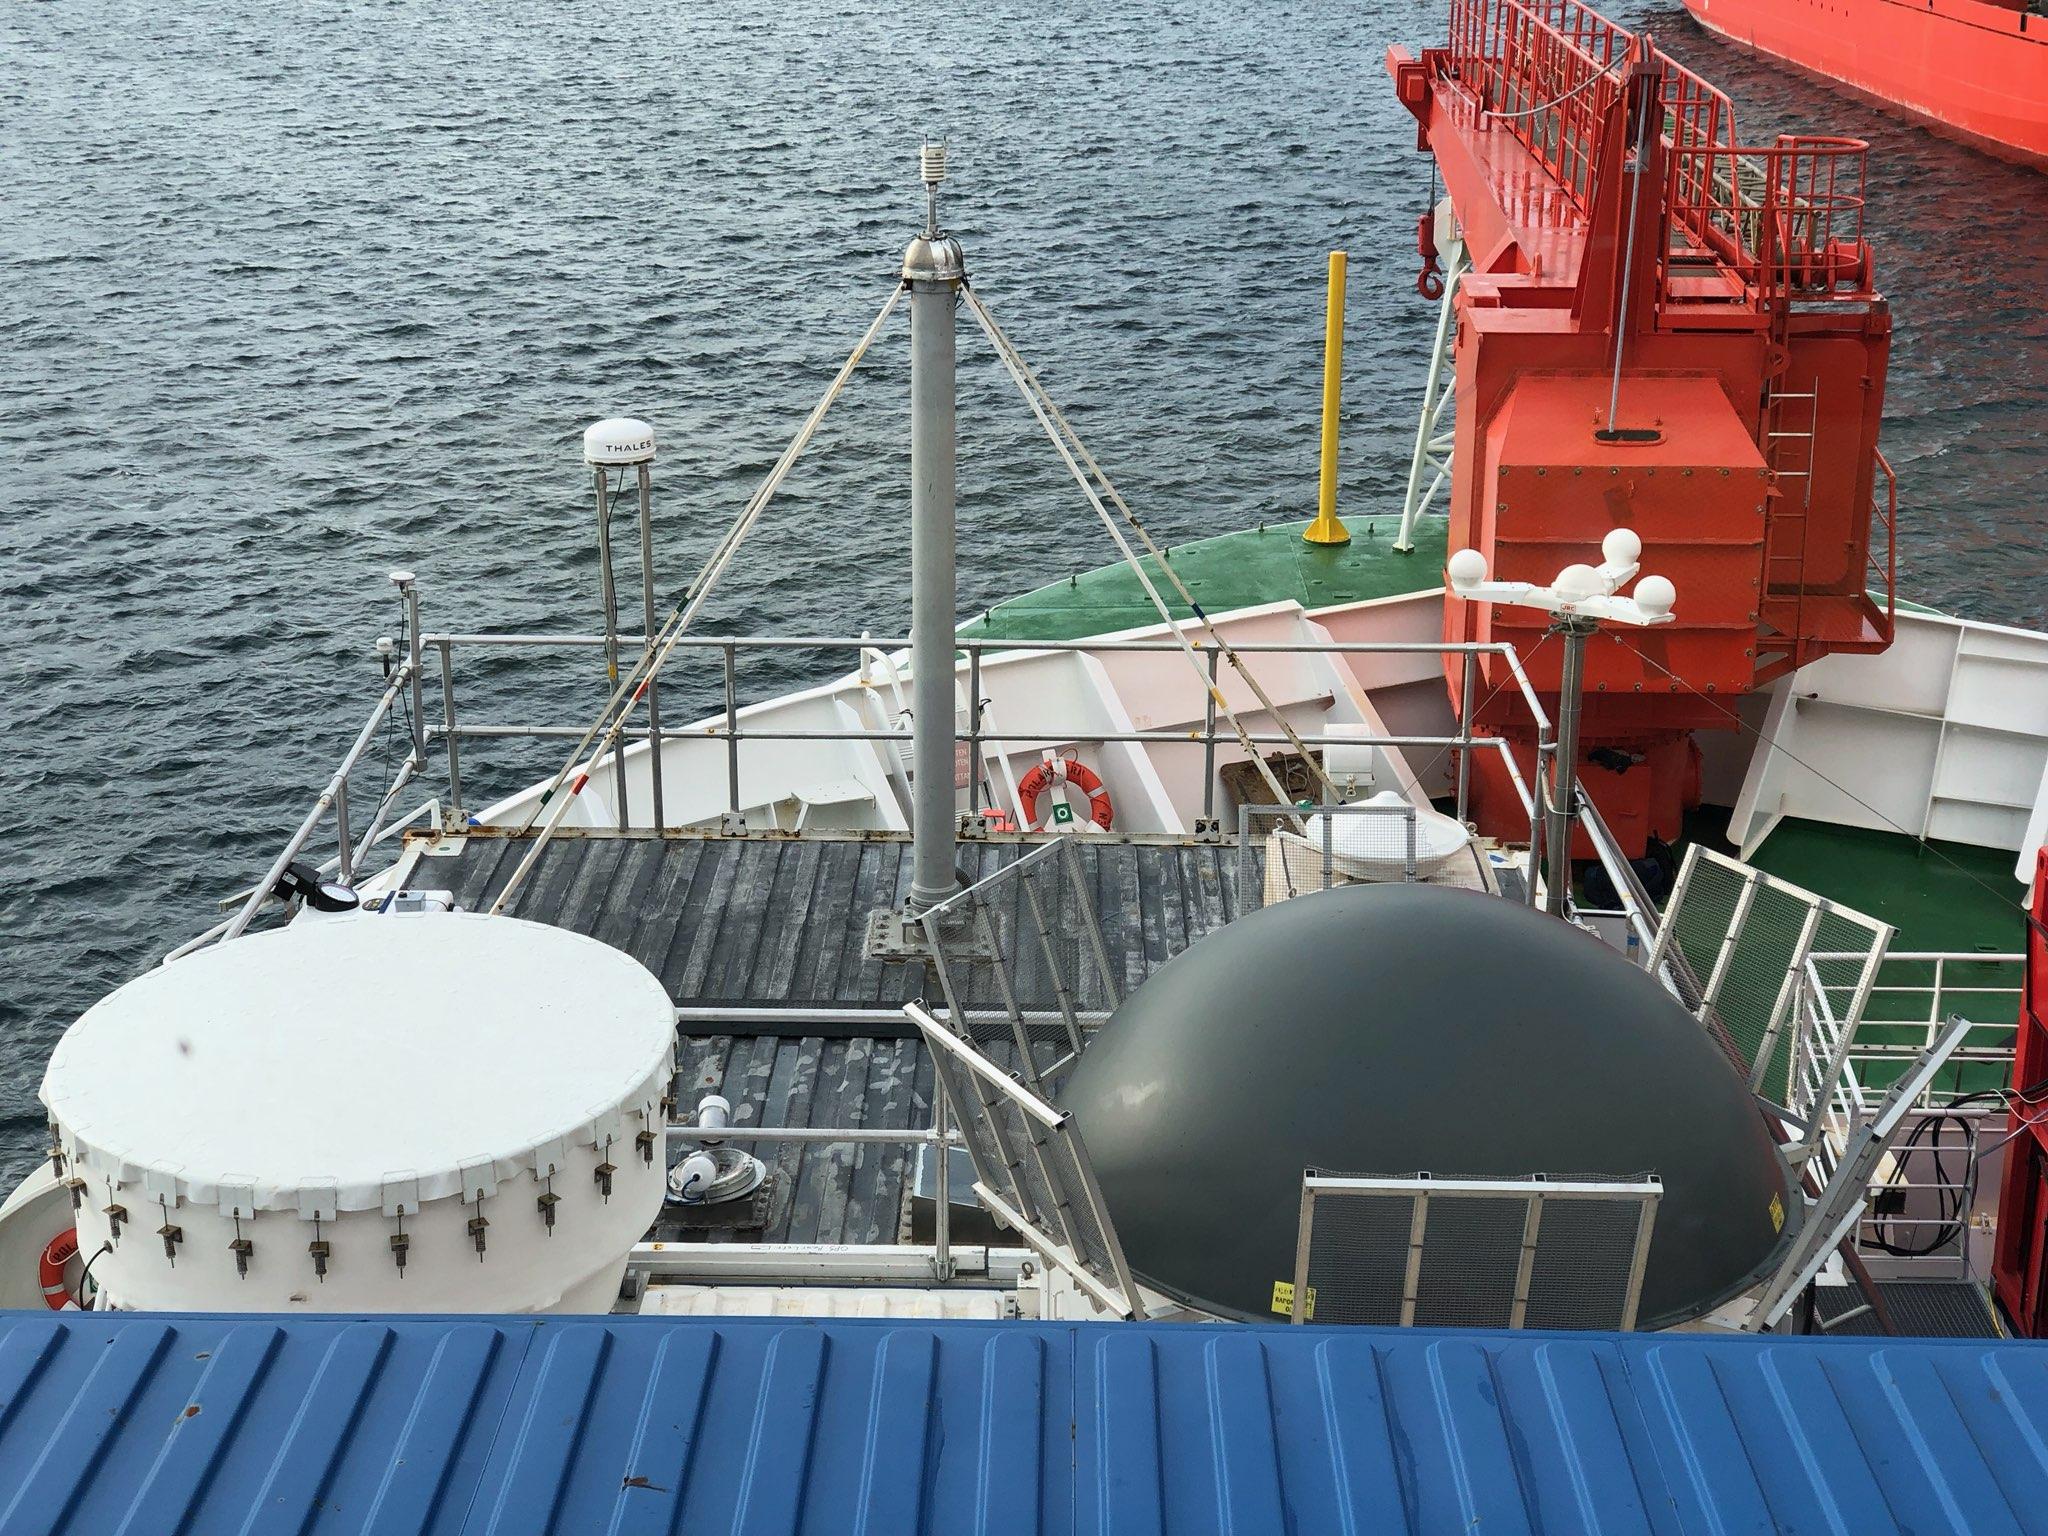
(1976, 71)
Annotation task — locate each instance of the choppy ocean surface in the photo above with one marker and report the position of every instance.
(291, 297)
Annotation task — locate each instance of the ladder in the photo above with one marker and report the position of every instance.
(1791, 426)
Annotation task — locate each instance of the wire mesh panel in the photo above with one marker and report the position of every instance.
(1031, 1166)
(1742, 939)
(1021, 961)
(1418, 1251)
(1312, 847)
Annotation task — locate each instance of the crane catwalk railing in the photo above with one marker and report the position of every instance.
(1786, 219)
(1548, 71)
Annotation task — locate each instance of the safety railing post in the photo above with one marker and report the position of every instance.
(1209, 741)
(732, 728)
(345, 850)
(1465, 736)
(449, 733)
(974, 730)
(409, 588)
(942, 1192)
(646, 487)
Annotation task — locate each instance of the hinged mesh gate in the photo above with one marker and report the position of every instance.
(1741, 947)
(1031, 1166)
(1020, 960)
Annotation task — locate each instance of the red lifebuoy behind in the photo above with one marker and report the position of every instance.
(1063, 770)
(60, 1250)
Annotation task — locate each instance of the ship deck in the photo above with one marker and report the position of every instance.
(762, 943)
(1267, 564)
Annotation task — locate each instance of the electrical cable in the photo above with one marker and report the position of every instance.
(85, 1274)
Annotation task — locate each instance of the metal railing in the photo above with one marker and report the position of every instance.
(405, 684)
(1914, 995)
(1025, 935)
(726, 726)
(402, 682)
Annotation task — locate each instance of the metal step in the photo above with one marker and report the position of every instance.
(1939, 1309)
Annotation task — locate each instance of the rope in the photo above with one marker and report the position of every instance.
(633, 686)
(1061, 432)
(1628, 262)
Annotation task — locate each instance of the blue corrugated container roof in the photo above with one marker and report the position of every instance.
(224, 1424)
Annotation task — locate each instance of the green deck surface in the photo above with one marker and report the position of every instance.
(1938, 895)
(1233, 570)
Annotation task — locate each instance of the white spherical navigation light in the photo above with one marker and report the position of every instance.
(1621, 547)
(1576, 583)
(1466, 568)
(1655, 595)
(618, 440)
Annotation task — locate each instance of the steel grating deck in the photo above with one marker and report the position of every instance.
(1939, 1309)
(780, 923)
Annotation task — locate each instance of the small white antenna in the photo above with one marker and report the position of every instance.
(931, 169)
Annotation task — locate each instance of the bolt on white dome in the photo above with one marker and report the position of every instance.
(618, 440)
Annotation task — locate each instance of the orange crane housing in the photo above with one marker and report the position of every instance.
(1661, 330)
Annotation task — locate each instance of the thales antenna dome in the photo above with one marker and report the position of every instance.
(618, 440)
(1392, 1029)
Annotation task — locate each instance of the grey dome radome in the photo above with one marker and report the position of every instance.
(1390, 1029)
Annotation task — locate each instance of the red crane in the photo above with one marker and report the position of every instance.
(1664, 330)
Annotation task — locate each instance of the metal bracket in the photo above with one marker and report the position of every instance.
(1209, 829)
(732, 824)
(893, 936)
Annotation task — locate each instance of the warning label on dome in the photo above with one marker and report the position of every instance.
(1283, 1299)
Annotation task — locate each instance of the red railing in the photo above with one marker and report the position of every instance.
(1548, 72)
(1544, 70)
(1788, 218)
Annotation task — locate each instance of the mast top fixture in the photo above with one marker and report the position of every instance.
(934, 256)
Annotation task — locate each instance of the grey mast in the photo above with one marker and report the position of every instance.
(933, 272)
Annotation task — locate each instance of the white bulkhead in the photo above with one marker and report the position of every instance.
(381, 1113)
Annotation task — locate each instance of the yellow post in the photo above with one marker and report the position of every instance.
(1326, 529)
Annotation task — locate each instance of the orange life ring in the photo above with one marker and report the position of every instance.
(1063, 770)
(61, 1250)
